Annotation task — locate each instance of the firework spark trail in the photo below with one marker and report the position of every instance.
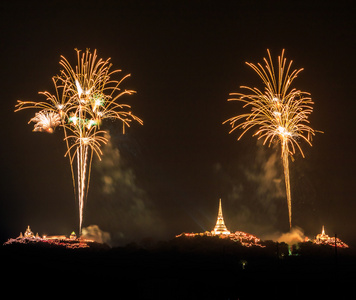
(82, 167)
(285, 159)
(85, 96)
(280, 113)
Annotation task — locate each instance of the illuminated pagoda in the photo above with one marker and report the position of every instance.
(54, 240)
(220, 230)
(324, 239)
(220, 227)
(28, 233)
(322, 236)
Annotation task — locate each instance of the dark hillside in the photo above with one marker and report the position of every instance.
(200, 268)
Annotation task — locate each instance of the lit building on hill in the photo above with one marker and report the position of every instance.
(322, 236)
(56, 240)
(28, 233)
(220, 227)
(324, 239)
(221, 231)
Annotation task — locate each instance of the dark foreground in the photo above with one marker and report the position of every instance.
(198, 268)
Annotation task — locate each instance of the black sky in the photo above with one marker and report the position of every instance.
(185, 57)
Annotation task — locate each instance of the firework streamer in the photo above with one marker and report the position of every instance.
(84, 96)
(280, 113)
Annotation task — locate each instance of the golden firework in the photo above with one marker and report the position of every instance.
(279, 113)
(84, 96)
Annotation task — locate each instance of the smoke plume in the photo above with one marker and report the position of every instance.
(121, 206)
(93, 232)
(254, 191)
(296, 235)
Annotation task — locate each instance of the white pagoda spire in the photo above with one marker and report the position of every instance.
(220, 227)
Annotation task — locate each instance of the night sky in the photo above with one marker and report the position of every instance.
(167, 176)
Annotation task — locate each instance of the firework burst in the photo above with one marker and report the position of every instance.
(84, 96)
(46, 121)
(279, 113)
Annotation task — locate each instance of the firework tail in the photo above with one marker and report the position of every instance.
(84, 97)
(285, 158)
(280, 112)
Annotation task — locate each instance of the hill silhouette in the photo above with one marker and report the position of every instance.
(187, 268)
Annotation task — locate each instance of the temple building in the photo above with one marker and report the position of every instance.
(322, 236)
(28, 233)
(220, 230)
(323, 239)
(220, 227)
(54, 240)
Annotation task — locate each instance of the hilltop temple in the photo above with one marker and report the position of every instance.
(220, 227)
(324, 239)
(28, 232)
(54, 240)
(221, 231)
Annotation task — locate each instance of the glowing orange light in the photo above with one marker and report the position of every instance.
(279, 112)
(72, 108)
